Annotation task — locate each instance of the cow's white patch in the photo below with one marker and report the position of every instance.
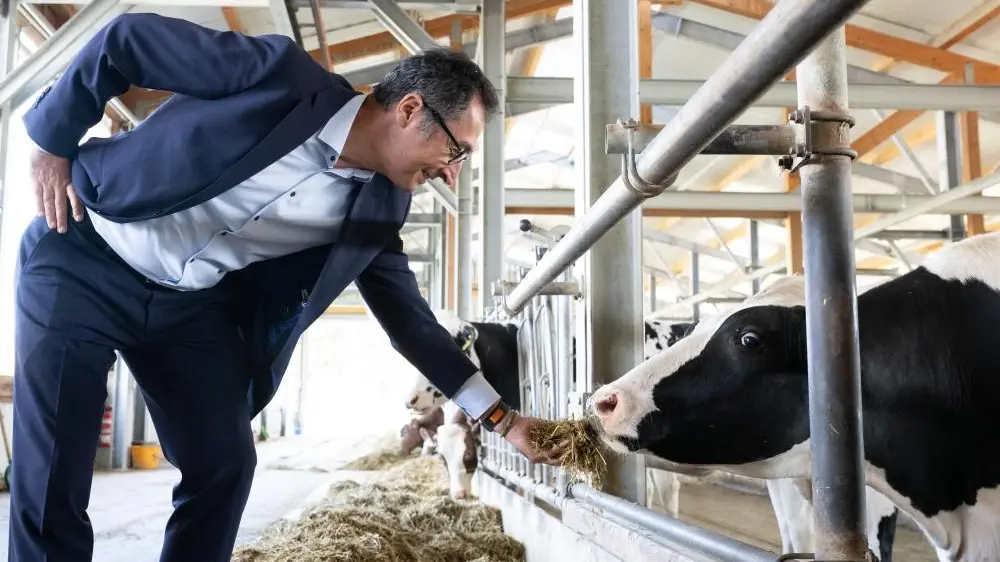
(975, 258)
(634, 389)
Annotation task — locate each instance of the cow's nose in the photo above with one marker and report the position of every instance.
(606, 405)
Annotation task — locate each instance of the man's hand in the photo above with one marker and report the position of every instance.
(518, 436)
(53, 188)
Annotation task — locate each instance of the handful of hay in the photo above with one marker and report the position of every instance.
(582, 458)
(403, 515)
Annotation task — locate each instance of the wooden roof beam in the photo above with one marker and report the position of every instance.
(873, 41)
(384, 42)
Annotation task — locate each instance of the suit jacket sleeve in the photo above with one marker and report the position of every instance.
(150, 51)
(390, 289)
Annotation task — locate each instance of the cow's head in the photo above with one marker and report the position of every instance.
(423, 396)
(457, 445)
(733, 392)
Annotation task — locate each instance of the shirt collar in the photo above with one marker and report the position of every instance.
(334, 134)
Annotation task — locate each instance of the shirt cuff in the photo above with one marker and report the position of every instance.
(476, 396)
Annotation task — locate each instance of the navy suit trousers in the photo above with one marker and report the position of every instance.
(76, 303)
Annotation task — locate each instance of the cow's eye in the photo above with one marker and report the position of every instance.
(750, 340)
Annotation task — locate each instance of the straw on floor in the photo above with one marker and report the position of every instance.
(403, 514)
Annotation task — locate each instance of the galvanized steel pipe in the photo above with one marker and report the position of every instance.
(790, 31)
(774, 140)
(707, 542)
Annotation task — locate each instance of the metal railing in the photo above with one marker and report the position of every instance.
(809, 34)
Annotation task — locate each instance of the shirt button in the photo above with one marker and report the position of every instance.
(257, 218)
(292, 194)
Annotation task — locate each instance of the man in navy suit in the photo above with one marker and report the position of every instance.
(202, 243)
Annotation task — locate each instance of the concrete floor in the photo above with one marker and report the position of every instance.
(129, 510)
(750, 518)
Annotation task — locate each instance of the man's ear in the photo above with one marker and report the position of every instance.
(408, 110)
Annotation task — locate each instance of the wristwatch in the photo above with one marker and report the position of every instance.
(497, 416)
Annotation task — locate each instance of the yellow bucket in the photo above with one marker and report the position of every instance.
(146, 456)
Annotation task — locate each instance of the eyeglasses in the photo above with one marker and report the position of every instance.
(459, 154)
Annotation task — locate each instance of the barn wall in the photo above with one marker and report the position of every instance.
(581, 534)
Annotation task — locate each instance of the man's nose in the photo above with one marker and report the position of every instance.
(450, 173)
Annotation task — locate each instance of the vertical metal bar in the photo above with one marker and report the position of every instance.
(443, 266)
(950, 165)
(463, 250)
(652, 292)
(303, 378)
(755, 254)
(491, 166)
(9, 46)
(317, 13)
(695, 285)
(120, 417)
(831, 318)
(609, 336)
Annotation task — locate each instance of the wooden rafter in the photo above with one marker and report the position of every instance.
(437, 28)
(881, 43)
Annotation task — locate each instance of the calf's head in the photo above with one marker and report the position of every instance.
(732, 392)
(423, 396)
(457, 444)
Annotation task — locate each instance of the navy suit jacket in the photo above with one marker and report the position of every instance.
(240, 104)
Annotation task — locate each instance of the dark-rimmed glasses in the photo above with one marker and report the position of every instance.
(459, 154)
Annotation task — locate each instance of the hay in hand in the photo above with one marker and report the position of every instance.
(582, 459)
(403, 515)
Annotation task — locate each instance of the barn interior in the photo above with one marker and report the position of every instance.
(646, 166)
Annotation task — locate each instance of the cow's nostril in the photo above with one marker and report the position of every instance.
(607, 405)
(412, 401)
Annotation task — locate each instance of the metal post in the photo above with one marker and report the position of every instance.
(755, 254)
(463, 247)
(120, 416)
(695, 285)
(652, 292)
(791, 29)
(950, 165)
(609, 339)
(443, 264)
(831, 313)
(491, 167)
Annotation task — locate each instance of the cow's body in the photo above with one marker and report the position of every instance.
(930, 350)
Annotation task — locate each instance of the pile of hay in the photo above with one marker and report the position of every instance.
(403, 515)
(583, 458)
(378, 460)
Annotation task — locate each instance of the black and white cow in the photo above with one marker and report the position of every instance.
(490, 346)
(733, 395)
(791, 498)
